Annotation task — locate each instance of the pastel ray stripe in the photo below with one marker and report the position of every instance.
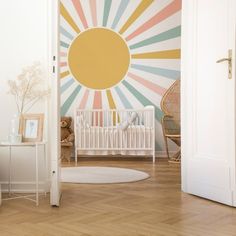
(79, 9)
(107, 7)
(63, 44)
(97, 101)
(123, 5)
(168, 54)
(64, 74)
(63, 54)
(160, 16)
(138, 12)
(66, 33)
(169, 34)
(154, 87)
(123, 98)
(97, 104)
(68, 18)
(171, 74)
(67, 104)
(84, 100)
(112, 104)
(65, 86)
(93, 8)
(63, 64)
(143, 100)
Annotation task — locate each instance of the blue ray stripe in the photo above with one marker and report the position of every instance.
(123, 98)
(65, 45)
(171, 74)
(120, 11)
(67, 104)
(143, 100)
(106, 12)
(66, 33)
(65, 86)
(169, 34)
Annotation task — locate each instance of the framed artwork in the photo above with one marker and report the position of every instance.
(31, 127)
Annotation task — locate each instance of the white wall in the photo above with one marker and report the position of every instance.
(24, 39)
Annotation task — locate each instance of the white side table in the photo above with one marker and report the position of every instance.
(36, 146)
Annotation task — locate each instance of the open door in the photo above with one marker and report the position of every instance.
(54, 135)
(208, 99)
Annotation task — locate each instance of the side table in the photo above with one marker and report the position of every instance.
(35, 145)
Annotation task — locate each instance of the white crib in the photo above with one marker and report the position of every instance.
(115, 132)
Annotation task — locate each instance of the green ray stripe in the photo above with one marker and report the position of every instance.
(66, 33)
(65, 45)
(171, 74)
(107, 7)
(123, 98)
(143, 100)
(170, 34)
(120, 11)
(158, 147)
(65, 86)
(66, 106)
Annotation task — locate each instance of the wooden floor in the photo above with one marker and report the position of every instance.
(155, 206)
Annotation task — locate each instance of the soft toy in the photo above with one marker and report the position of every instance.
(67, 138)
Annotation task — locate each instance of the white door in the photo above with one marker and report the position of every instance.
(54, 142)
(208, 99)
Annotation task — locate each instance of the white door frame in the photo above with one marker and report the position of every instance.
(54, 114)
(54, 111)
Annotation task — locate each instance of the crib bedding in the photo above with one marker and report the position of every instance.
(112, 140)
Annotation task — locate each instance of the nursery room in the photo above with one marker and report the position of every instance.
(118, 117)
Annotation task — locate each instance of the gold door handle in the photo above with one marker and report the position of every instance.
(229, 59)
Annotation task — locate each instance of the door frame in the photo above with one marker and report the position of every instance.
(186, 88)
(54, 111)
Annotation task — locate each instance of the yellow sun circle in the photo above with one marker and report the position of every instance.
(98, 58)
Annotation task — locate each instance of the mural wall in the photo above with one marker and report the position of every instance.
(118, 54)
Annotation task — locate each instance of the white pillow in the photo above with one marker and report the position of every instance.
(126, 123)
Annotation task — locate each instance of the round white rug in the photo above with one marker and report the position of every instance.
(100, 175)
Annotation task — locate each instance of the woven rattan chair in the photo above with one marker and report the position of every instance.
(170, 105)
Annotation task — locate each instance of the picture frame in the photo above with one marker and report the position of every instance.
(31, 127)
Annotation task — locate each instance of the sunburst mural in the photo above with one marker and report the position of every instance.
(118, 54)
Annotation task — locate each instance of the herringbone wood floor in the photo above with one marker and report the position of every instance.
(152, 207)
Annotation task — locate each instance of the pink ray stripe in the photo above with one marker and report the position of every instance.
(80, 12)
(63, 54)
(97, 104)
(160, 16)
(62, 64)
(84, 100)
(154, 87)
(93, 8)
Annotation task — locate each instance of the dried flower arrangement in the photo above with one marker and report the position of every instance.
(27, 88)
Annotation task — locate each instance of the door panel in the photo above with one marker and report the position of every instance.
(208, 104)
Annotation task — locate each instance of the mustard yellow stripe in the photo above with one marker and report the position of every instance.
(68, 18)
(169, 54)
(112, 105)
(64, 74)
(139, 10)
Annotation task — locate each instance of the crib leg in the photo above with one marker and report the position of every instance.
(153, 157)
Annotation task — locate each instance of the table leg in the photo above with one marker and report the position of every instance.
(36, 175)
(46, 168)
(9, 172)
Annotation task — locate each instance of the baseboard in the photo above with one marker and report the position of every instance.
(25, 187)
(162, 154)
